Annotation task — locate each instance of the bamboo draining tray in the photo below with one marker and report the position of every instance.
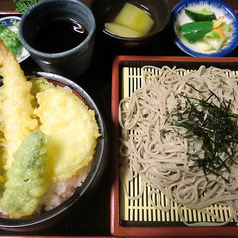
(138, 217)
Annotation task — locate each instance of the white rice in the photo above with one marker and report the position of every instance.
(59, 192)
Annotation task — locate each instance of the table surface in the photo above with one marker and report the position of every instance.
(92, 217)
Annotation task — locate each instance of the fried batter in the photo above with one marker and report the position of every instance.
(17, 110)
(27, 177)
(73, 130)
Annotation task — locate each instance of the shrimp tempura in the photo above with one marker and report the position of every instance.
(17, 110)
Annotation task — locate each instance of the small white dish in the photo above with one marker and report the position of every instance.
(9, 22)
(179, 17)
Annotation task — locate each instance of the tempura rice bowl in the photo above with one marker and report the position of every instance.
(60, 197)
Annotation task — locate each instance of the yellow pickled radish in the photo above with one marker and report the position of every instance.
(122, 31)
(134, 18)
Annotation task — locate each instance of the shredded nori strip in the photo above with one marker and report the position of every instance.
(215, 127)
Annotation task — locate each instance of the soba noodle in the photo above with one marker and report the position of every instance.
(161, 159)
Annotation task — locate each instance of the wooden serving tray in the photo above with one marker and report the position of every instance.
(139, 218)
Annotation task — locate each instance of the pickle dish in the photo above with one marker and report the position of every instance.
(130, 23)
(11, 22)
(204, 28)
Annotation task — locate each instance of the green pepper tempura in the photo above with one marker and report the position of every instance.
(26, 177)
(11, 39)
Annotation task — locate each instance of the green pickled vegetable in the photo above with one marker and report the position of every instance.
(23, 5)
(11, 40)
(194, 31)
(203, 14)
(27, 179)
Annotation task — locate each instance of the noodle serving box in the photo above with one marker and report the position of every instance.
(48, 218)
(138, 217)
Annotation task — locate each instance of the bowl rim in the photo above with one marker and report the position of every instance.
(99, 156)
(186, 3)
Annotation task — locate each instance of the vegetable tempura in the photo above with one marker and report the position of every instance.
(27, 177)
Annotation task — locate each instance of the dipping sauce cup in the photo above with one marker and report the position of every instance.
(59, 35)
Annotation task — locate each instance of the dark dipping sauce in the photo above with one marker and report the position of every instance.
(59, 35)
